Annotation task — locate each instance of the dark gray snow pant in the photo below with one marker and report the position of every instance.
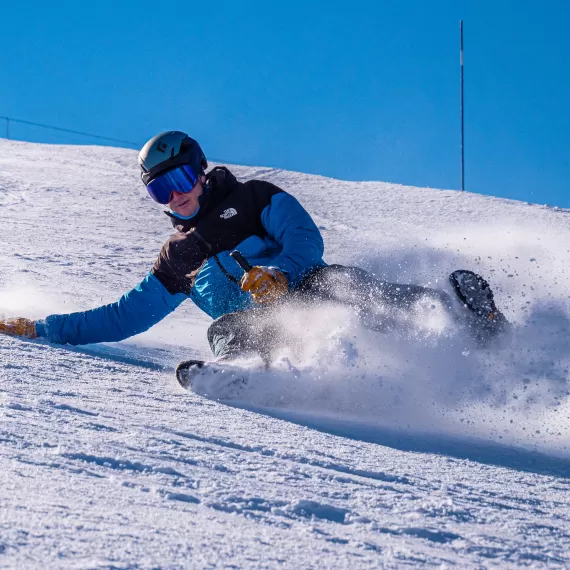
(251, 332)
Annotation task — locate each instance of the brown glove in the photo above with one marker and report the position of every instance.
(18, 327)
(266, 284)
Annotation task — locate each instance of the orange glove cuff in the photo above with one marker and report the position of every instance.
(18, 327)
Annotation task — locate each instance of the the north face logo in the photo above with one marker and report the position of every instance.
(229, 213)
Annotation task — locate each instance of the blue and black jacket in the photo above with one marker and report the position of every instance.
(267, 225)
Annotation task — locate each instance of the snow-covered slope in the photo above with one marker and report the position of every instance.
(384, 451)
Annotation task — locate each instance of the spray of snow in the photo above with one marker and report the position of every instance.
(425, 374)
(428, 378)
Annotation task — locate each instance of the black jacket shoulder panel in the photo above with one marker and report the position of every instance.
(263, 192)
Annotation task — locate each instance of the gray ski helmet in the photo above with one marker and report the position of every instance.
(168, 150)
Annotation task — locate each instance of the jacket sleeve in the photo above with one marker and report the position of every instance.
(135, 312)
(289, 224)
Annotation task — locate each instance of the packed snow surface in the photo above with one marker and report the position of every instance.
(361, 450)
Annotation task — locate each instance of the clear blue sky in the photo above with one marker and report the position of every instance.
(354, 90)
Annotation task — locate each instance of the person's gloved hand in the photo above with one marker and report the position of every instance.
(266, 284)
(18, 326)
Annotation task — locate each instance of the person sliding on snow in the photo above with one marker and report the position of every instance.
(214, 214)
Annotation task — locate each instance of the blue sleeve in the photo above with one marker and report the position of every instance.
(135, 312)
(289, 224)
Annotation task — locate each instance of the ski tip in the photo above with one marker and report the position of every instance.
(186, 369)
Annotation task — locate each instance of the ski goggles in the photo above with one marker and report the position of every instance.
(181, 179)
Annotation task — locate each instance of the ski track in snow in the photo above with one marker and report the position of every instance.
(405, 450)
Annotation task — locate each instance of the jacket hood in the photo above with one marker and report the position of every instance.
(219, 183)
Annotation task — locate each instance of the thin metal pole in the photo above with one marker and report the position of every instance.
(7, 128)
(461, 105)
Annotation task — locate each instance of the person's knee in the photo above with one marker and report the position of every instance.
(222, 325)
(231, 333)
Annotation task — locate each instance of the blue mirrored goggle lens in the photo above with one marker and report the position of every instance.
(181, 179)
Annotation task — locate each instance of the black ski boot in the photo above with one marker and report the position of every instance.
(476, 294)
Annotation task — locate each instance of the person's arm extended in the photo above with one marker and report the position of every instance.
(135, 312)
(289, 224)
